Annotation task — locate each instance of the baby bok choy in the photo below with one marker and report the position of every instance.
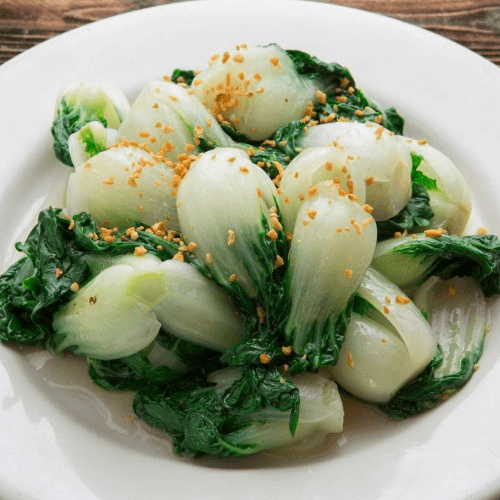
(139, 297)
(111, 316)
(409, 261)
(191, 307)
(231, 413)
(82, 103)
(449, 194)
(170, 121)
(124, 185)
(332, 246)
(458, 315)
(387, 343)
(254, 89)
(224, 205)
(384, 162)
(166, 360)
(90, 140)
(313, 166)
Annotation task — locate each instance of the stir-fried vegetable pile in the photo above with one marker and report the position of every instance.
(240, 240)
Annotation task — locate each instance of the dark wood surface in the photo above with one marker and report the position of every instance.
(474, 23)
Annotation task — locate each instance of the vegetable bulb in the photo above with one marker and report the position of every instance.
(332, 246)
(385, 162)
(105, 100)
(82, 103)
(90, 140)
(386, 345)
(451, 199)
(191, 306)
(256, 90)
(110, 317)
(458, 314)
(223, 206)
(320, 410)
(313, 166)
(124, 185)
(170, 121)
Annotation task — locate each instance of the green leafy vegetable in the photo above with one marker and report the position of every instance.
(343, 98)
(92, 147)
(477, 256)
(418, 211)
(70, 119)
(117, 374)
(281, 148)
(138, 371)
(183, 76)
(418, 176)
(34, 288)
(30, 294)
(426, 391)
(201, 419)
(459, 322)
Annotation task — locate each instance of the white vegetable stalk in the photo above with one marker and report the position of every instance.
(221, 205)
(399, 314)
(104, 99)
(191, 306)
(320, 410)
(452, 202)
(159, 357)
(374, 362)
(383, 160)
(124, 185)
(458, 314)
(313, 166)
(196, 309)
(256, 89)
(170, 121)
(388, 346)
(405, 271)
(111, 317)
(93, 134)
(332, 246)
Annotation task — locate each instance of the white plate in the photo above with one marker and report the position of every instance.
(62, 438)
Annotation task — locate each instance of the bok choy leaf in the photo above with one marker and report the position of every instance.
(35, 287)
(170, 122)
(313, 166)
(343, 99)
(409, 261)
(239, 412)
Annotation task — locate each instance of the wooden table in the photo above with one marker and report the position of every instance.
(472, 23)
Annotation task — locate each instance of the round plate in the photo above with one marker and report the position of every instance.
(62, 438)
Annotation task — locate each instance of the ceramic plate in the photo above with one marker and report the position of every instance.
(61, 437)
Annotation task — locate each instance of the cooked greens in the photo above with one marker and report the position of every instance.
(409, 261)
(343, 99)
(81, 104)
(457, 313)
(218, 254)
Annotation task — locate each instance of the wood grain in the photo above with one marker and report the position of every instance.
(474, 24)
